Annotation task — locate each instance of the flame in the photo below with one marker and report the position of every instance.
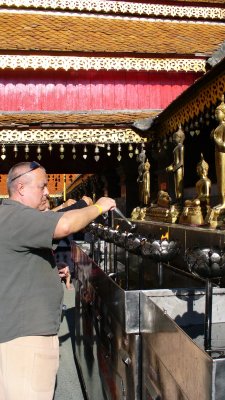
(166, 236)
(117, 227)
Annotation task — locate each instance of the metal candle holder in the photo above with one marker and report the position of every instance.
(207, 263)
(160, 251)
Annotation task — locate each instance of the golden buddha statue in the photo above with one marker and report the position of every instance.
(135, 213)
(203, 185)
(145, 195)
(163, 210)
(218, 135)
(138, 213)
(163, 199)
(195, 210)
(141, 166)
(177, 166)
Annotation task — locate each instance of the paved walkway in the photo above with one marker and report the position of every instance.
(68, 384)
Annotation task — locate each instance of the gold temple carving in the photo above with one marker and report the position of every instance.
(190, 109)
(100, 63)
(122, 7)
(56, 136)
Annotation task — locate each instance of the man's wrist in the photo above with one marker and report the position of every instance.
(99, 208)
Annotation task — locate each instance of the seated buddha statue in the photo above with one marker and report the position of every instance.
(203, 185)
(195, 210)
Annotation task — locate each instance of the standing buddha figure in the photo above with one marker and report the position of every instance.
(146, 184)
(141, 169)
(177, 166)
(218, 135)
(203, 185)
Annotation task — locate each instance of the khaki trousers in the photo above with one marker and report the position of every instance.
(28, 368)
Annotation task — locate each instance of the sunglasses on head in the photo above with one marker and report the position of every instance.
(33, 165)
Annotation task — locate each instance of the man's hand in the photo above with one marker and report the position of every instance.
(106, 203)
(87, 200)
(64, 274)
(68, 203)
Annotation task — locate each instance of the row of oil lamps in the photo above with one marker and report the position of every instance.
(207, 263)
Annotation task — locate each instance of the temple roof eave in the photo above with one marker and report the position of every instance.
(68, 120)
(200, 96)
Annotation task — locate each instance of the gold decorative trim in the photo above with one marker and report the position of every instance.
(209, 95)
(72, 136)
(101, 63)
(121, 7)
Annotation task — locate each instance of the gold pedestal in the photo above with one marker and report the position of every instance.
(191, 215)
(161, 214)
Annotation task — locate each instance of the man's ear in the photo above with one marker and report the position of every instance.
(20, 188)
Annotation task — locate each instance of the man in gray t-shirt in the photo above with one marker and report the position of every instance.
(30, 288)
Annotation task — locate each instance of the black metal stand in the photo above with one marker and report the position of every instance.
(141, 273)
(105, 256)
(98, 261)
(127, 269)
(160, 273)
(115, 259)
(208, 315)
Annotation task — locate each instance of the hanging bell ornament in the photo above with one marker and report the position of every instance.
(3, 155)
(159, 146)
(15, 149)
(119, 157)
(61, 150)
(201, 119)
(96, 157)
(50, 148)
(39, 152)
(130, 149)
(165, 143)
(74, 152)
(85, 152)
(108, 150)
(26, 151)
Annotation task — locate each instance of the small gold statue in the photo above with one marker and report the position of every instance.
(177, 167)
(135, 213)
(163, 211)
(138, 213)
(163, 199)
(142, 213)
